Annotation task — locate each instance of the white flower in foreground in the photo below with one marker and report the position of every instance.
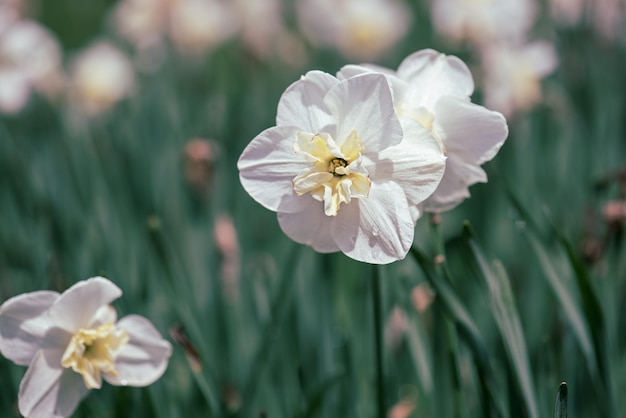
(513, 74)
(434, 90)
(70, 341)
(101, 76)
(341, 169)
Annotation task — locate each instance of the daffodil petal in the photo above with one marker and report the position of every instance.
(310, 226)
(472, 132)
(47, 390)
(76, 307)
(453, 188)
(268, 166)
(417, 164)
(144, 358)
(377, 230)
(23, 324)
(364, 103)
(433, 75)
(301, 104)
(103, 315)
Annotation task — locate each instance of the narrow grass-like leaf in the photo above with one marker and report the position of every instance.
(446, 295)
(314, 400)
(281, 304)
(567, 301)
(590, 304)
(509, 325)
(560, 406)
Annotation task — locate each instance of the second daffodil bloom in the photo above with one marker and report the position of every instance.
(341, 169)
(434, 90)
(71, 341)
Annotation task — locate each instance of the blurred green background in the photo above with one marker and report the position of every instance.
(530, 293)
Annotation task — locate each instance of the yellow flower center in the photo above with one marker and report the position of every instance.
(336, 175)
(93, 350)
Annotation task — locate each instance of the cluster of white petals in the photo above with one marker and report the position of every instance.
(71, 341)
(30, 61)
(434, 90)
(343, 171)
(355, 159)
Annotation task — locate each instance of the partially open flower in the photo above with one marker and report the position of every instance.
(71, 341)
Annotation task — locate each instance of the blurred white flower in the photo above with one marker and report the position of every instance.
(434, 90)
(101, 76)
(194, 26)
(360, 29)
(341, 170)
(142, 22)
(513, 74)
(197, 25)
(30, 60)
(567, 11)
(483, 21)
(262, 30)
(70, 341)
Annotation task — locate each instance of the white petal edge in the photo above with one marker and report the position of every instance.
(377, 230)
(302, 103)
(417, 164)
(267, 167)
(144, 359)
(47, 390)
(365, 103)
(23, 324)
(76, 307)
(454, 187)
(311, 226)
(432, 75)
(470, 132)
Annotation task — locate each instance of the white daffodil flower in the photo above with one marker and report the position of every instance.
(341, 169)
(101, 76)
(30, 61)
(71, 341)
(434, 90)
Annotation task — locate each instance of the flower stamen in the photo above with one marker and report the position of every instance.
(93, 350)
(336, 166)
(336, 175)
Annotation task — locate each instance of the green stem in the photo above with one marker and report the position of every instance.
(377, 324)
